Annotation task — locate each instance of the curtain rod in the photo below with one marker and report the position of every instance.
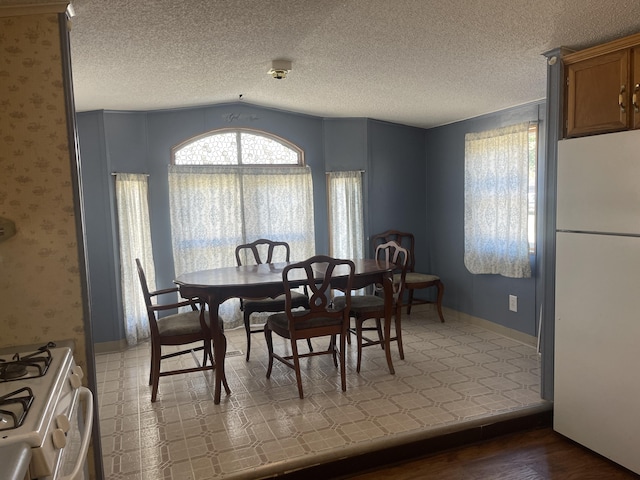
(332, 171)
(118, 173)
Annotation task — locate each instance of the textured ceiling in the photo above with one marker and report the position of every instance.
(415, 62)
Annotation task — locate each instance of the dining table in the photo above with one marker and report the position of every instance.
(216, 285)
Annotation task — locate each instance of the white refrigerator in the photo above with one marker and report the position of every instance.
(597, 311)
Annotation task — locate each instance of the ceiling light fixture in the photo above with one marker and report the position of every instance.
(280, 68)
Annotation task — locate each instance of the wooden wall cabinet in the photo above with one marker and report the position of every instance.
(603, 88)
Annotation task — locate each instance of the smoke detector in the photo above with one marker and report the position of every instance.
(280, 68)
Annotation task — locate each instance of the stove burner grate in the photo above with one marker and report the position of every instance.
(23, 403)
(12, 371)
(31, 365)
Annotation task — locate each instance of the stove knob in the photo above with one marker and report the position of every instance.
(63, 423)
(78, 371)
(59, 438)
(75, 381)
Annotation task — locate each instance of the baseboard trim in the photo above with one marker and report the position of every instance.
(497, 328)
(120, 345)
(110, 347)
(481, 322)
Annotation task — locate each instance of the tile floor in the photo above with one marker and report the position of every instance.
(453, 372)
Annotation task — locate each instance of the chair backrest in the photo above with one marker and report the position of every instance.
(153, 308)
(143, 284)
(404, 239)
(321, 273)
(391, 252)
(262, 249)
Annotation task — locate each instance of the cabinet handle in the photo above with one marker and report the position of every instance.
(634, 101)
(621, 100)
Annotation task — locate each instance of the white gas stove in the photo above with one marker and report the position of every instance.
(44, 405)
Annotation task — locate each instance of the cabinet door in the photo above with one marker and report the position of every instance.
(598, 94)
(635, 78)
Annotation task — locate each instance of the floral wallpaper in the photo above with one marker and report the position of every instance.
(40, 279)
(40, 282)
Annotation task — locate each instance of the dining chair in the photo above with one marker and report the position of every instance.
(182, 328)
(322, 318)
(254, 253)
(372, 307)
(414, 280)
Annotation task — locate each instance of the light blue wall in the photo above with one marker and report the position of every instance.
(413, 181)
(397, 184)
(98, 228)
(483, 296)
(392, 158)
(109, 142)
(141, 142)
(345, 144)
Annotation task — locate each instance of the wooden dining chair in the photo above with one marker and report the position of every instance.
(321, 319)
(181, 328)
(414, 280)
(372, 307)
(255, 253)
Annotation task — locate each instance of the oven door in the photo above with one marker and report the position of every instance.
(72, 463)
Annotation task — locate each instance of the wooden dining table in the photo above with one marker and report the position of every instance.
(265, 280)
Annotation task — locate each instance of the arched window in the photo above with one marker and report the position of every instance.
(237, 147)
(229, 187)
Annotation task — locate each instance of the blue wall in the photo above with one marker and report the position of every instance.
(397, 184)
(141, 142)
(484, 296)
(413, 181)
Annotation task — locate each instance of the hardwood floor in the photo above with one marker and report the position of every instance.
(538, 454)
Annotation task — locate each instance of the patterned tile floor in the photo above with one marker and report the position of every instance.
(453, 372)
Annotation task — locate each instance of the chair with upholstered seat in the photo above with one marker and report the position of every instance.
(414, 280)
(322, 274)
(372, 307)
(255, 253)
(182, 328)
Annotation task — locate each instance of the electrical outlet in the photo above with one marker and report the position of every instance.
(513, 303)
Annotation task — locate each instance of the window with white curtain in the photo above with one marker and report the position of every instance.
(135, 242)
(499, 221)
(346, 224)
(232, 187)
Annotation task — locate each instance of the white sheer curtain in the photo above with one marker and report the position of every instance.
(496, 201)
(135, 242)
(346, 225)
(215, 208)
